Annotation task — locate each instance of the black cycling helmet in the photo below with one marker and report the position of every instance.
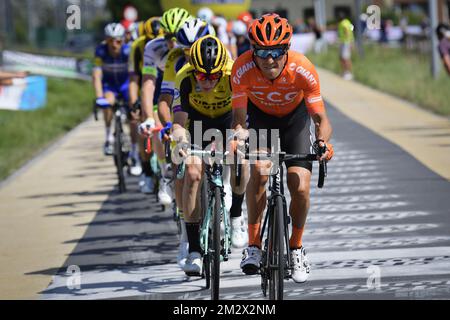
(209, 55)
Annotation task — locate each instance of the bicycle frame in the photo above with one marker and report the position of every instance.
(276, 189)
(214, 180)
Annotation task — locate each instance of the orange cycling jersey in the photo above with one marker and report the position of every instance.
(279, 97)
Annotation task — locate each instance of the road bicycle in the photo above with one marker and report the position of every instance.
(275, 263)
(121, 149)
(216, 246)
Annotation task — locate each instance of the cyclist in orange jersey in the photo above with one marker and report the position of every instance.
(277, 88)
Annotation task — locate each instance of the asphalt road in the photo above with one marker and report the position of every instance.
(380, 229)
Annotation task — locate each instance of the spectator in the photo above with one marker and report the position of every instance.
(443, 34)
(404, 27)
(386, 26)
(299, 26)
(318, 32)
(239, 30)
(346, 38)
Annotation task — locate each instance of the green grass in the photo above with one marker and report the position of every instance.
(403, 74)
(24, 133)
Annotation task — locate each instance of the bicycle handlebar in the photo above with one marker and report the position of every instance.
(148, 142)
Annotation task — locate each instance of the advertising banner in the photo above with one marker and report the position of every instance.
(230, 9)
(24, 94)
(47, 65)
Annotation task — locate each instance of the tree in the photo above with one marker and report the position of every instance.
(146, 9)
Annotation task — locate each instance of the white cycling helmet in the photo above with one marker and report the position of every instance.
(206, 14)
(219, 22)
(134, 30)
(114, 30)
(239, 28)
(192, 30)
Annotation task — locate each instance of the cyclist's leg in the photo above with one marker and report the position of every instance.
(146, 184)
(110, 96)
(133, 121)
(261, 123)
(191, 209)
(297, 141)
(294, 140)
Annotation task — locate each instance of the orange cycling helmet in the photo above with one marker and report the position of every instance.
(269, 31)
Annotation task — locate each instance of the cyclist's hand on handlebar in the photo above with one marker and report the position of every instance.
(238, 138)
(329, 151)
(146, 126)
(179, 135)
(164, 133)
(102, 102)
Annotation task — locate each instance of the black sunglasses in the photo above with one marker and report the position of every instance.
(275, 53)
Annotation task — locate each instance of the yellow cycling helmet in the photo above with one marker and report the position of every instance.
(141, 28)
(152, 28)
(209, 55)
(173, 19)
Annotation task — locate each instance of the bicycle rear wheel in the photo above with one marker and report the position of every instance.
(206, 255)
(215, 245)
(276, 252)
(118, 154)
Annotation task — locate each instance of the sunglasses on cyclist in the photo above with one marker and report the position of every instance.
(115, 40)
(169, 36)
(275, 53)
(200, 76)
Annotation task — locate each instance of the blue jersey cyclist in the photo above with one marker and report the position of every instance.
(110, 75)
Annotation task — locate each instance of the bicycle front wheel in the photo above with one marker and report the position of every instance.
(276, 252)
(215, 245)
(118, 154)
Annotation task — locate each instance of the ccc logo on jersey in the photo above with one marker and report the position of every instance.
(275, 97)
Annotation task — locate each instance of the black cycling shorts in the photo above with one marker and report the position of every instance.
(296, 131)
(221, 123)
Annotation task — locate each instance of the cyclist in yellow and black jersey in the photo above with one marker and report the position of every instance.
(152, 29)
(204, 95)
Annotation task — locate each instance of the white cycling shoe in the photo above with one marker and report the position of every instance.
(251, 260)
(193, 265)
(165, 192)
(301, 267)
(183, 252)
(136, 168)
(108, 148)
(239, 235)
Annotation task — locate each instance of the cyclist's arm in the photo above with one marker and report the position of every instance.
(239, 117)
(179, 120)
(97, 81)
(315, 105)
(133, 67)
(164, 102)
(180, 109)
(133, 88)
(148, 90)
(323, 126)
(446, 61)
(239, 103)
